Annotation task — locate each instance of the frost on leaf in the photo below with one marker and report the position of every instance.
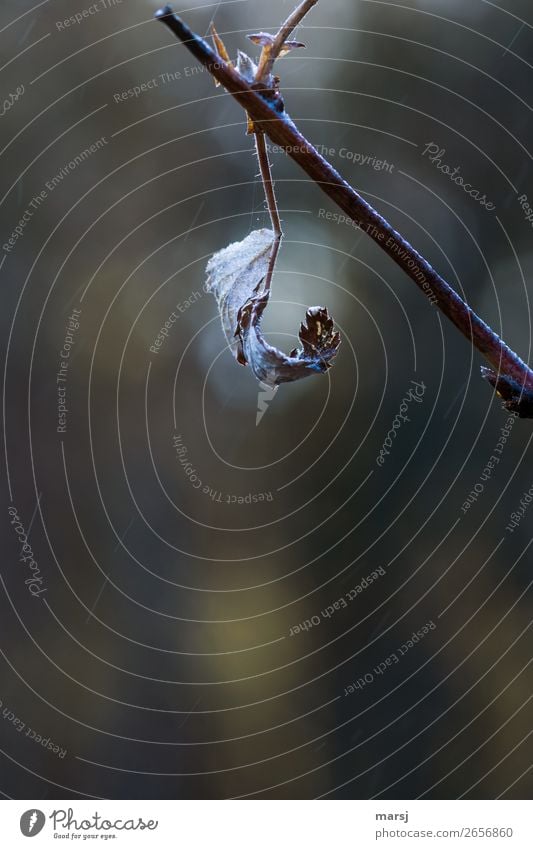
(236, 277)
(233, 275)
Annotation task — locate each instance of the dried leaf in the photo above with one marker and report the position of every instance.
(236, 276)
(233, 275)
(264, 39)
(246, 67)
(221, 50)
(250, 126)
(288, 46)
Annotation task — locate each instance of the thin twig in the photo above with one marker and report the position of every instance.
(266, 176)
(511, 377)
(268, 58)
(265, 67)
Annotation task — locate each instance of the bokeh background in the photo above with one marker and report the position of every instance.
(160, 654)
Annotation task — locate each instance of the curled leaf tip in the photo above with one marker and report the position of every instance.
(236, 277)
(318, 336)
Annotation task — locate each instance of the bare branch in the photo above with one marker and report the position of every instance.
(266, 111)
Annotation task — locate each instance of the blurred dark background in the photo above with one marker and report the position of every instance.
(154, 648)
